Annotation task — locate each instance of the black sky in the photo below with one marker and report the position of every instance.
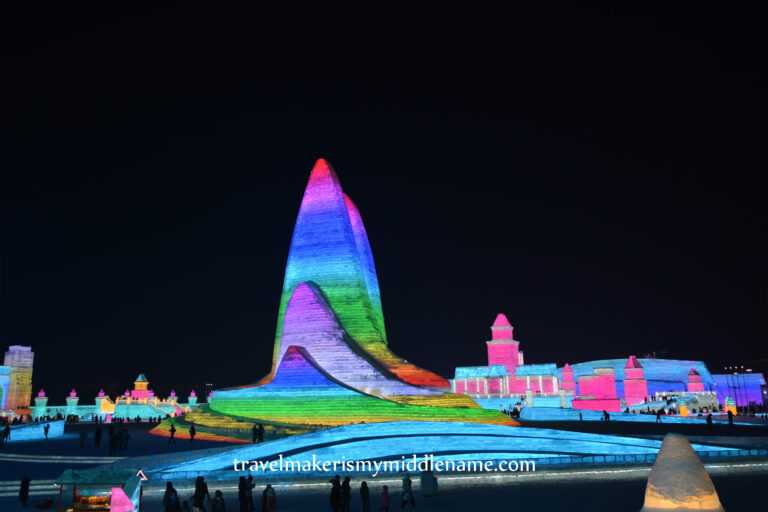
(597, 176)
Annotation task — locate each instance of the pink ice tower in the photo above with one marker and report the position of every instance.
(140, 387)
(503, 349)
(635, 385)
(73, 393)
(41, 394)
(568, 383)
(694, 381)
(101, 393)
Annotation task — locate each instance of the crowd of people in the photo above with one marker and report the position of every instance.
(340, 498)
(202, 497)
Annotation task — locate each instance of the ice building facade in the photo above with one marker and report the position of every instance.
(607, 384)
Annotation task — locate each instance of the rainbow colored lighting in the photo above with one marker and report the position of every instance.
(331, 363)
(330, 249)
(303, 393)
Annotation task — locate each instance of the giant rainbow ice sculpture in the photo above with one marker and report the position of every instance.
(331, 362)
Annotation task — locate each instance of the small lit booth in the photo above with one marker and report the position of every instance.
(117, 490)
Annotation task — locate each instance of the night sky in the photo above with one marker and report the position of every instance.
(599, 177)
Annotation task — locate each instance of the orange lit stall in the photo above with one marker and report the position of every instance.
(100, 490)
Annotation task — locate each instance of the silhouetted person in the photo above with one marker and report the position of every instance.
(172, 439)
(24, 490)
(261, 433)
(730, 417)
(6, 434)
(658, 416)
(201, 493)
(268, 500)
(709, 421)
(255, 434)
(407, 493)
(46, 428)
(83, 437)
(171, 499)
(192, 433)
(346, 494)
(242, 494)
(384, 499)
(218, 504)
(364, 496)
(335, 501)
(97, 437)
(249, 492)
(581, 418)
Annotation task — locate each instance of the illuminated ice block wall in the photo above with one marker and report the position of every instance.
(18, 359)
(745, 388)
(449, 440)
(597, 392)
(661, 374)
(596, 385)
(139, 402)
(36, 430)
(505, 373)
(5, 382)
(303, 393)
(331, 362)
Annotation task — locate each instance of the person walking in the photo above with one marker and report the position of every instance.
(261, 433)
(384, 499)
(407, 493)
(730, 418)
(364, 497)
(24, 490)
(201, 494)
(346, 494)
(709, 421)
(170, 498)
(658, 416)
(172, 439)
(192, 433)
(6, 435)
(46, 428)
(255, 434)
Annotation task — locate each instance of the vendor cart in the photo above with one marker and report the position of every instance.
(97, 490)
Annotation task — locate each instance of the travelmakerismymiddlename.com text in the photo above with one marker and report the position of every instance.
(374, 467)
